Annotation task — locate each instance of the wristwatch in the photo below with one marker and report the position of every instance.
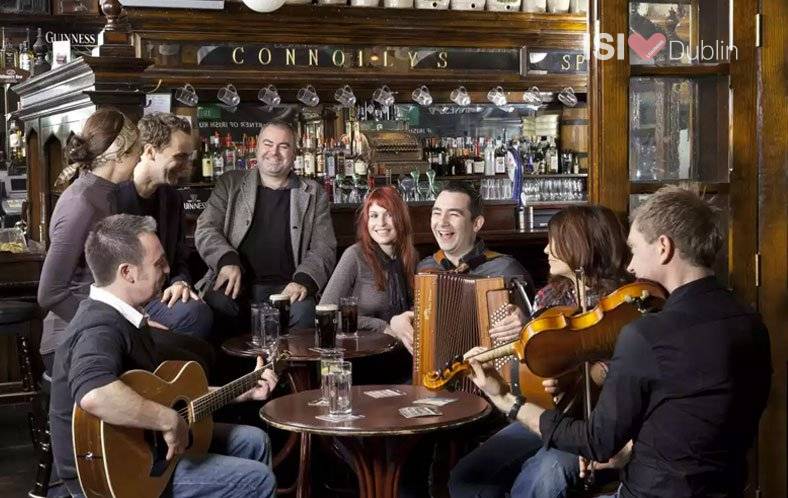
(519, 401)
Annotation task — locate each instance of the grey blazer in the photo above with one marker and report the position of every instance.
(228, 214)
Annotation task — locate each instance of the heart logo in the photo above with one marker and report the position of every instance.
(646, 49)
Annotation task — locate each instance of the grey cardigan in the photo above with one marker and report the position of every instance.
(65, 277)
(228, 213)
(354, 277)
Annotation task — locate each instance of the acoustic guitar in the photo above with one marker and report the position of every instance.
(126, 462)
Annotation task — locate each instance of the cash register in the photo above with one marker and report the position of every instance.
(13, 193)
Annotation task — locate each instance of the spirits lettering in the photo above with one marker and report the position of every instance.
(412, 56)
(264, 52)
(313, 57)
(290, 57)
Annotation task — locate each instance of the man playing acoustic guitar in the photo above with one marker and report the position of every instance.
(109, 336)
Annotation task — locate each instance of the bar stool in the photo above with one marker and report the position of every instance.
(15, 318)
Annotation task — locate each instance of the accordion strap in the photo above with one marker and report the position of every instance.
(467, 265)
(514, 370)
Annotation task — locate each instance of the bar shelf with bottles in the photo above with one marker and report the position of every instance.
(417, 149)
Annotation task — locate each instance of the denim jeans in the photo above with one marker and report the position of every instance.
(550, 473)
(193, 317)
(238, 465)
(513, 461)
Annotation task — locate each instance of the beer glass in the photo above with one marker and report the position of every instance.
(186, 95)
(345, 96)
(228, 95)
(497, 96)
(383, 96)
(308, 96)
(326, 325)
(348, 309)
(282, 303)
(269, 95)
(460, 96)
(422, 95)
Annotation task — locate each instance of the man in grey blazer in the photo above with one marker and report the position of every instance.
(267, 232)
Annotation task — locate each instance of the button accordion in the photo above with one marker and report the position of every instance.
(453, 313)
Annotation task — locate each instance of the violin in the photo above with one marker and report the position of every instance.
(559, 340)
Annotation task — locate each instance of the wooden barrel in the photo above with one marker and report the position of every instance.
(575, 132)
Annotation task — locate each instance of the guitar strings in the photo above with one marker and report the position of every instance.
(222, 395)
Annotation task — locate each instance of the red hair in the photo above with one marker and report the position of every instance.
(389, 199)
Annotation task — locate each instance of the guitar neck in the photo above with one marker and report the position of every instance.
(205, 405)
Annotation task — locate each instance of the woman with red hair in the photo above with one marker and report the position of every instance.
(378, 269)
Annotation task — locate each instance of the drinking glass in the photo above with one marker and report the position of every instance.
(282, 303)
(348, 308)
(383, 96)
(269, 95)
(326, 325)
(460, 96)
(497, 96)
(345, 96)
(568, 97)
(327, 359)
(339, 380)
(228, 95)
(308, 96)
(186, 95)
(422, 95)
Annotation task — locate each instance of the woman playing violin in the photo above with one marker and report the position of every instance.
(512, 461)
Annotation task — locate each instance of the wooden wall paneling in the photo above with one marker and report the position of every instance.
(609, 185)
(742, 237)
(773, 242)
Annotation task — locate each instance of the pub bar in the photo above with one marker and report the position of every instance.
(393, 248)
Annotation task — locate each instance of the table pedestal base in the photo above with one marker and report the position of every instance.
(378, 462)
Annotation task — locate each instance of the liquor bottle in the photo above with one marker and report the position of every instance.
(207, 162)
(309, 163)
(9, 55)
(467, 156)
(489, 158)
(218, 157)
(230, 153)
(500, 155)
(330, 160)
(240, 154)
(479, 158)
(552, 154)
(251, 153)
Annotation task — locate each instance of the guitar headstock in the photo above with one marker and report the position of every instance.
(279, 361)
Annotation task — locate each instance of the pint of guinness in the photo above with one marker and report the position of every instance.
(326, 325)
(282, 303)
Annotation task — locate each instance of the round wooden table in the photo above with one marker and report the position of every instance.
(301, 344)
(378, 443)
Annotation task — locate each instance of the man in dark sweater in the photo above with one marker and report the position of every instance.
(167, 147)
(267, 232)
(686, 385)
(108, 336)
(456, 219)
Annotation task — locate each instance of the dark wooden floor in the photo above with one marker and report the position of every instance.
(17, 467)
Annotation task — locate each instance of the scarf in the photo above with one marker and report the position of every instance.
(399, 293)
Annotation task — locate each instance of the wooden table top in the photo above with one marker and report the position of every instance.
(381, 416)
(300, 343)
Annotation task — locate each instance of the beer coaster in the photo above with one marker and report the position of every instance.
(434, 401)
(384, 393)
(338, 418)
(419, 411)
